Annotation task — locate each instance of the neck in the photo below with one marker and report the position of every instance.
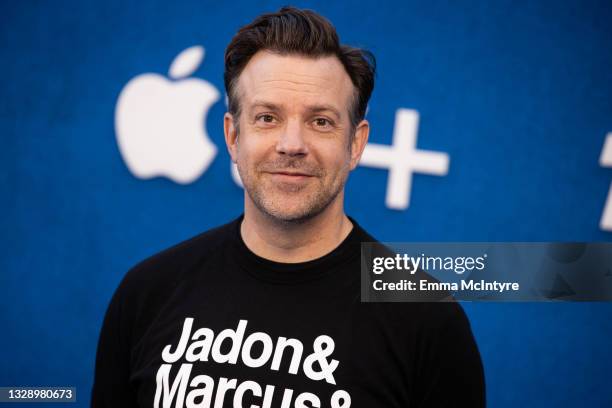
(291, 242)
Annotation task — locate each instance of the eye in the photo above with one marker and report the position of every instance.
(265, 118)
(322, 123)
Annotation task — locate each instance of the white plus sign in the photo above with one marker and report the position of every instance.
(402, 159)
(605, 160)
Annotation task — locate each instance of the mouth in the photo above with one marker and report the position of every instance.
(290, 176)
(292, 173)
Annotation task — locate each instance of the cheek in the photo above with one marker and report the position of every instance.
(336, 165)
(337, 154)
(249, 152)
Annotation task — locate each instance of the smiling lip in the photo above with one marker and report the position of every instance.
(292, 174)
(289, 176)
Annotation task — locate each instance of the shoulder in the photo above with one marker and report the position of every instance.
(428, 320)
(148, 286)
(168, 267)
(439, 318)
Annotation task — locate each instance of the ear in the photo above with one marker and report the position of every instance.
(231, 136)
(360, 139)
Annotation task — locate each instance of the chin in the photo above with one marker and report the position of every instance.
(290, 215)
(291, 211)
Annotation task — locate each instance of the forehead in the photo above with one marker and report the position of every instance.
(295, 80)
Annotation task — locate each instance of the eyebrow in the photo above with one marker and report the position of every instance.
(324, 108)
(263, 104)
(317, 108)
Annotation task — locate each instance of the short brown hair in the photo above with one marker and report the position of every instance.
(302, 32)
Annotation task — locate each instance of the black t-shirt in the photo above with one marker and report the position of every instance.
(207, 323)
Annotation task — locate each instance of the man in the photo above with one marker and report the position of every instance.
(265, 311)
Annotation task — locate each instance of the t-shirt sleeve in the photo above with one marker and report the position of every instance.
(111, 386)
(450, 372)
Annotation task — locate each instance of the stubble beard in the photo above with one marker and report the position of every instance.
(307, 201)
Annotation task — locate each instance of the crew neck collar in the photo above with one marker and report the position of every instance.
(279, 272)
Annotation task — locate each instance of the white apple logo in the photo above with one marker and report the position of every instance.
(160, 123)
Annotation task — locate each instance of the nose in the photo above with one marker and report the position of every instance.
(291, 141)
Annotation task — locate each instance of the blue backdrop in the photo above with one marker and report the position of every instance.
(519, 96)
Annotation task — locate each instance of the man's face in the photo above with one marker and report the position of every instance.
(294, 148)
